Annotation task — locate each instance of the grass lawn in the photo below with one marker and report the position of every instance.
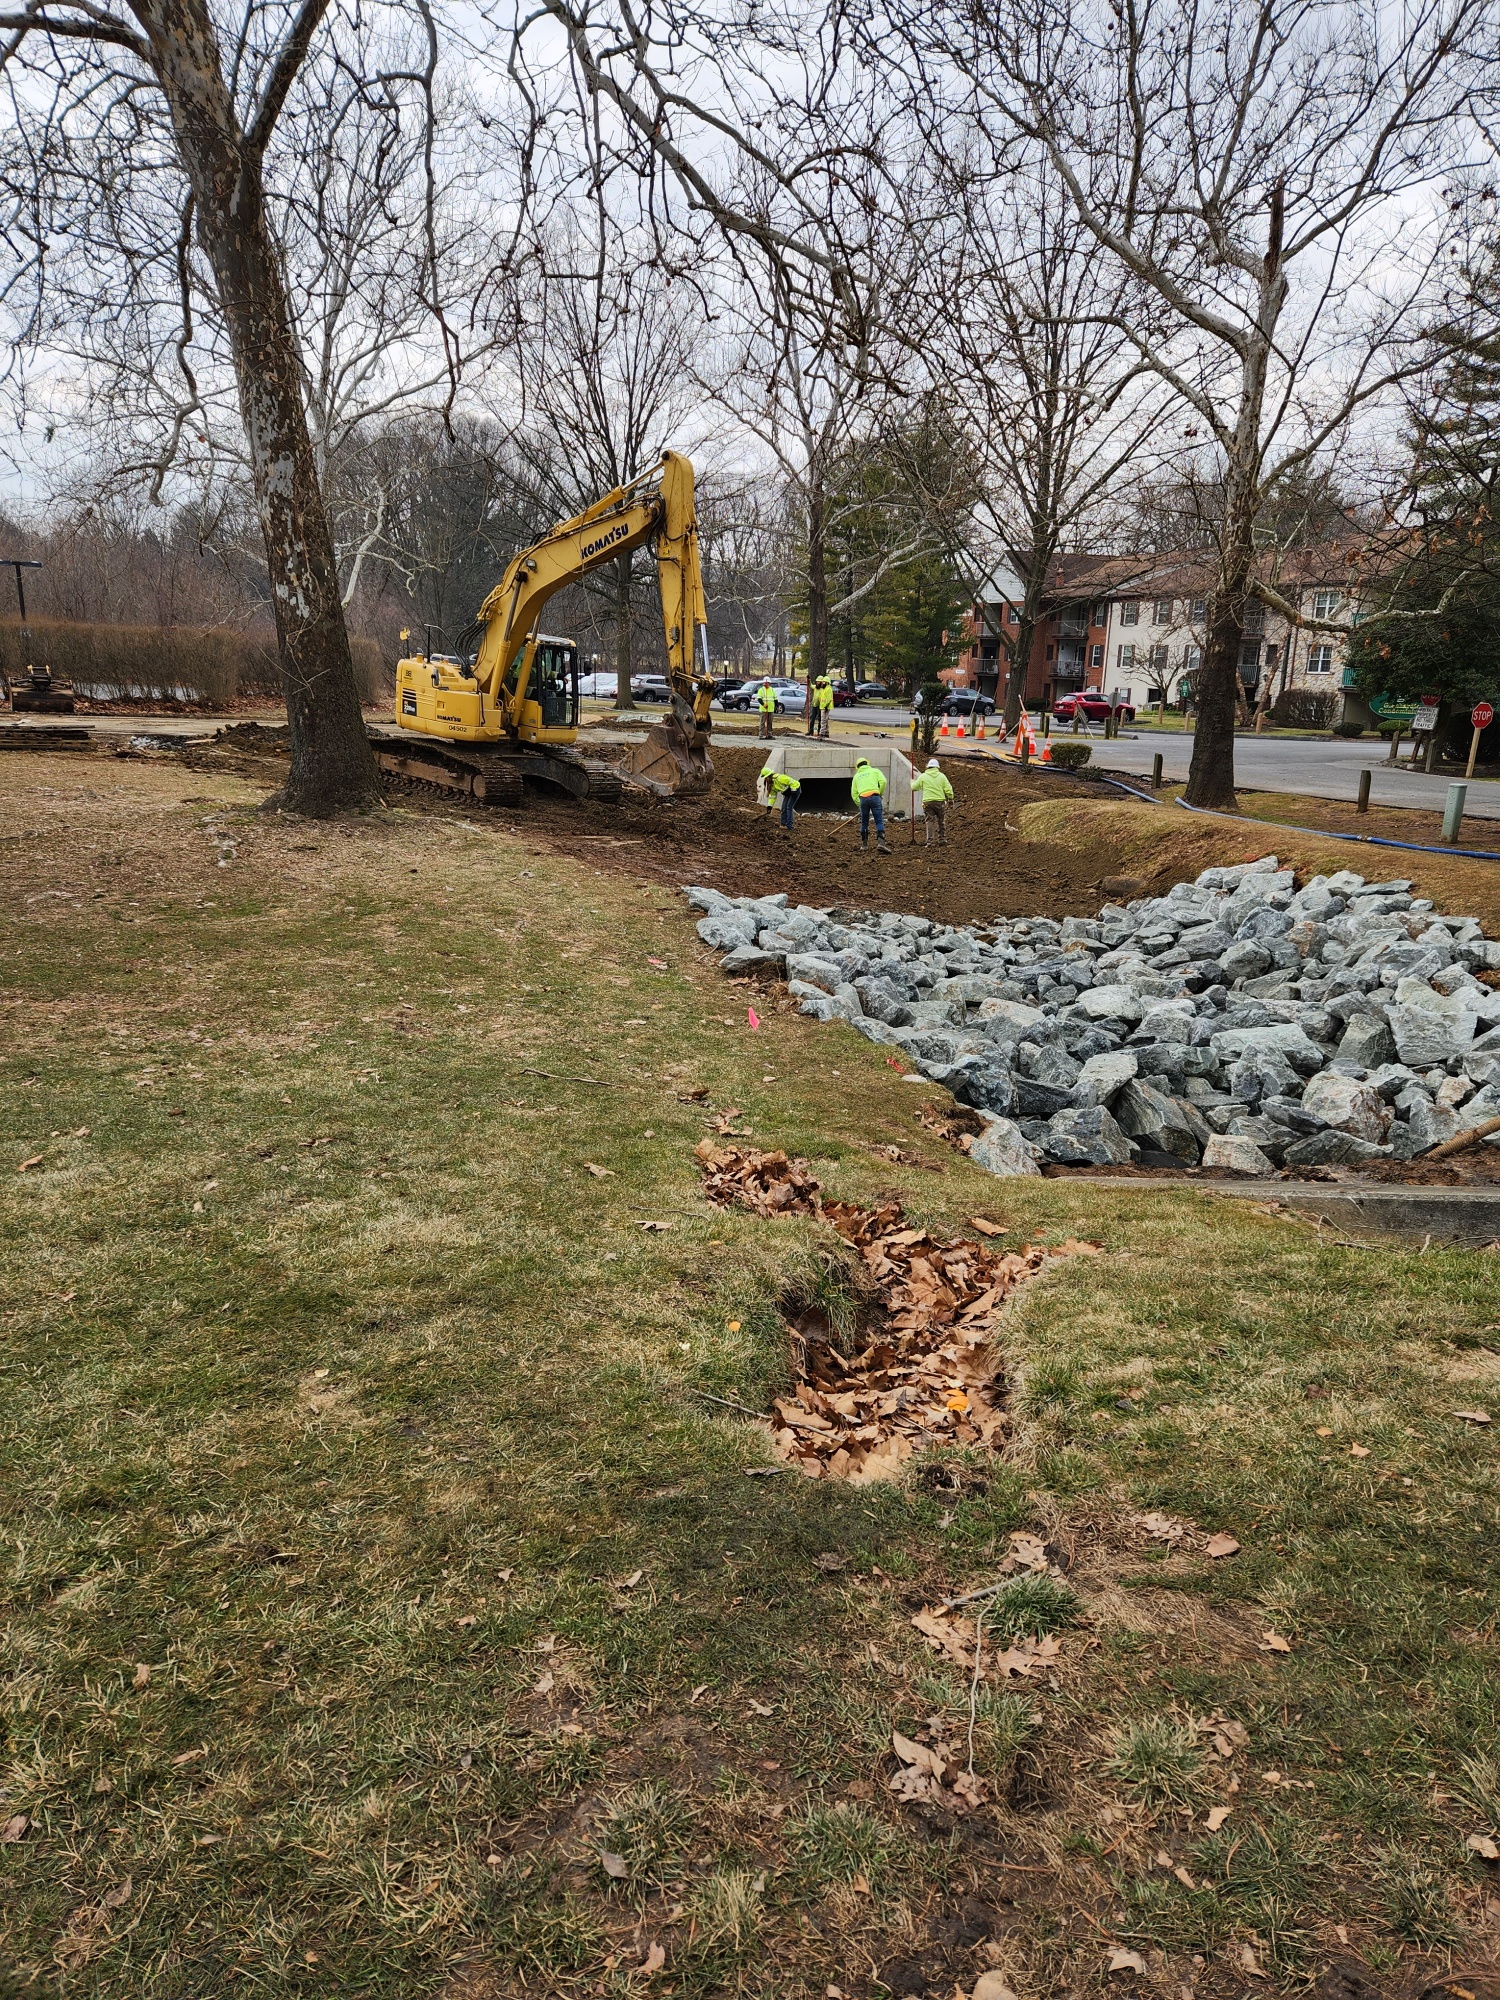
(375, 1564)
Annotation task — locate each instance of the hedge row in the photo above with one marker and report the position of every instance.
(176, 663)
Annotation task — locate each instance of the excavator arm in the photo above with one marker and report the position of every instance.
(656, 508)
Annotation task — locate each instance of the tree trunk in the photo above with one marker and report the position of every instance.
(1216, 690)
(333, 769)
(817, 579)
(624, 634)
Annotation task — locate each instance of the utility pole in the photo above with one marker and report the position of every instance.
(18, 563)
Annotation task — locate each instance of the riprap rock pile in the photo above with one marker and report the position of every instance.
(1237, 1022)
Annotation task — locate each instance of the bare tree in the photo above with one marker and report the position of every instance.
(178, 110)
(605, 347)
(1265, 176)
(1063, 408)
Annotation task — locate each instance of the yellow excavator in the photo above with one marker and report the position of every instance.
(480, 727)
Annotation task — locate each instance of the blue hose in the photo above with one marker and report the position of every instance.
(1249, 819)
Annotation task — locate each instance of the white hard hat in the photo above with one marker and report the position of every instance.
(932, 763)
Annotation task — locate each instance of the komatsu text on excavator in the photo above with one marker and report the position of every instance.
(479, 728)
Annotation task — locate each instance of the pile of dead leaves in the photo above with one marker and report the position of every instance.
(932, 1771)
(925, 1372)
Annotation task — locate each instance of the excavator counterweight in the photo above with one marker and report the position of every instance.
(480, 728)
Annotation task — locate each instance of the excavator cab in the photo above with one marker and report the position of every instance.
(552, 691)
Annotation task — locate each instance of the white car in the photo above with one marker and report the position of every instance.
(603, 686)
(791, 697)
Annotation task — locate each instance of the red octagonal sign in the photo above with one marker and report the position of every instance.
(1482, 714)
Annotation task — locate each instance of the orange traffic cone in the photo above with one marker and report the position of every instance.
(960, 729)
(944, 730)
(1046, 756)
(979, 726)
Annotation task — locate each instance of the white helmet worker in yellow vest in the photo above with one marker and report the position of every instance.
(866, 790)
(765, 704)
(936, 795)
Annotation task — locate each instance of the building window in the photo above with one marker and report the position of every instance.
(1126, 659)
(1249, 655)
(1320, 660)
(1096, 656)
(1050, 651)
(1012, 615)
(1098, 614)
(1192, 659)
(1198, 609)
(1161, 611)
(1327, 603)
(1255, 615)
(1158, 664)
(1130, 614)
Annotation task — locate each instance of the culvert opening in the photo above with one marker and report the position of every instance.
(910, 1364)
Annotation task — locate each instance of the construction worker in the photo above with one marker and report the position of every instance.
(866, 790)
(765, 702)
(822, 695)
(936, 795)
(781, 790)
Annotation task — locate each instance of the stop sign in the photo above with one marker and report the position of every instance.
(1482, 714)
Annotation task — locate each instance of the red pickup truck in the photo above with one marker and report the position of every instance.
(1092, 705)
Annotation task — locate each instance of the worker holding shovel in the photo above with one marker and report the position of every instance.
(866, 790)
(781, 790)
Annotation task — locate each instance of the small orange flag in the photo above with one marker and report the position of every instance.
(752, 1017)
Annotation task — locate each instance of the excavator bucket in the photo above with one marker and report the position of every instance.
(673, 758)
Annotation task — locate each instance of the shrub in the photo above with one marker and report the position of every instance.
(1347, 729)
(1070, 756)
(1306, 708)
(166, 663)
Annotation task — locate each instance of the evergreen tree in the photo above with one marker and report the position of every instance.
(1439, 632)
(919, 625)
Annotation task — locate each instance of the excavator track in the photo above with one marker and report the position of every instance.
(434, 766)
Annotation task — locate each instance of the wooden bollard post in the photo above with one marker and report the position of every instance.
(1364, 791)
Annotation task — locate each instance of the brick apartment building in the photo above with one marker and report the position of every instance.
(1132, 625)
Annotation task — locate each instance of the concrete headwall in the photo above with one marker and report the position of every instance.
(811, 759)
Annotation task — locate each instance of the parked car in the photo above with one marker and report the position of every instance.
(966, 701)
(602, 686)
(650, 687)
(847, 693)
(791, 696)
(1092, 705)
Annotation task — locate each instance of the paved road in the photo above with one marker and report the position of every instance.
(1277, 764)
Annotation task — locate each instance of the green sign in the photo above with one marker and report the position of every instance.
(1385, 708)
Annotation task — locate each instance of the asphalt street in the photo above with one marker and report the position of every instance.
(1323, 770)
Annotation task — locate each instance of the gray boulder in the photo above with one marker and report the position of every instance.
(1086, 1137)
(1284, 1038)
(1002, 1148)
(749, 958)
(1108, 1074)
(1110, 1003)
(1332, 1149)
(814, 971)
(1158, 1121)
(1046, 1063)
(882, 1004)
(1262, 1073)
(1368, 1041)
(1008, 1020)
(726, 929)
(1347, 1106)
(1430, 1027)
(1235, 1155)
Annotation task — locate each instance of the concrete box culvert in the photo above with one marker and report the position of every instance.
(826, 771)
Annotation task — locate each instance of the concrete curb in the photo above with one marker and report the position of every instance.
(1448, 1215)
